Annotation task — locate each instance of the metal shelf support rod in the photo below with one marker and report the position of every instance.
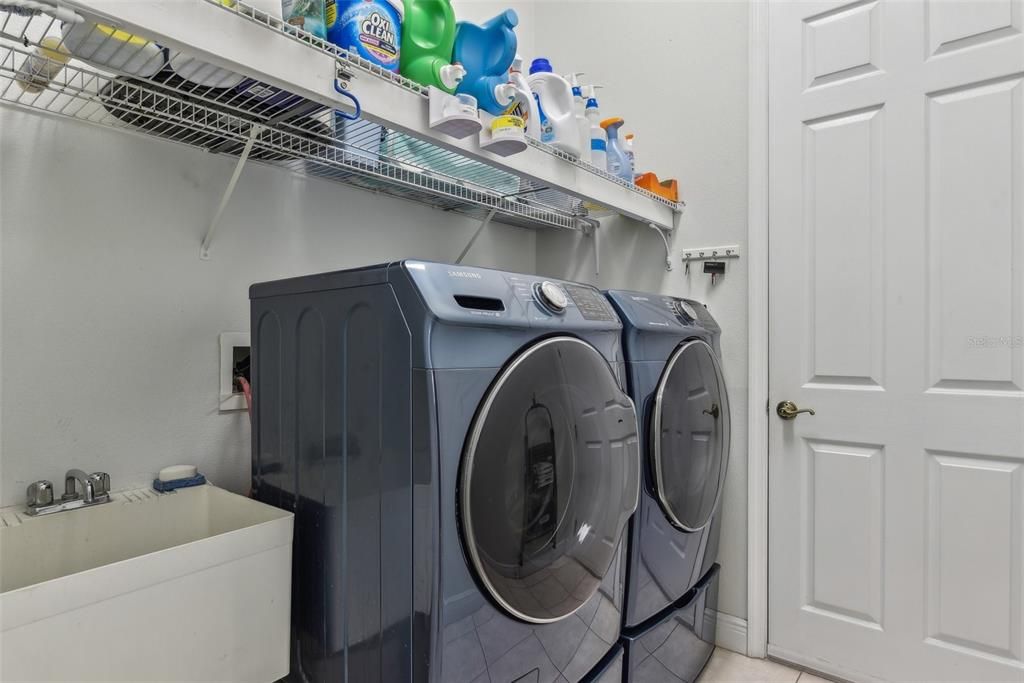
(483, 225)
(254, 132)
(668, 249)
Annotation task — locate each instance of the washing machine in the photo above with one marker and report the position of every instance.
(675, 379)
(462, 461)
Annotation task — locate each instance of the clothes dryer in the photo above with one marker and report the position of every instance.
(676, 381)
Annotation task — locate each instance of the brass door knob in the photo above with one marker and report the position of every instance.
(788, 410)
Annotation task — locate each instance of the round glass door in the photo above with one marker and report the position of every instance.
(690, 434)
(550, 476)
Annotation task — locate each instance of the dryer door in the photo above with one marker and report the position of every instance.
(690, 436)
(549, 478)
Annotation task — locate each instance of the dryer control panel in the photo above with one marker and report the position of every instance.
(654, 311)
(655, 323)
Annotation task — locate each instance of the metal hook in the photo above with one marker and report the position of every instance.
(355, 102)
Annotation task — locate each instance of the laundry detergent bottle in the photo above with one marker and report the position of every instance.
(555, 102)
(487, 52)
(525, 105)
(619, 163)
(428, 38)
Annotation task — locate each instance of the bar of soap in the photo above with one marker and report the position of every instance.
(175, 472)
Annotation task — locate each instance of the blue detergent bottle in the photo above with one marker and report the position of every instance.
(487, 52)
(619, 163)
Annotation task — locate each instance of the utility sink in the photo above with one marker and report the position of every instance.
(193, 585)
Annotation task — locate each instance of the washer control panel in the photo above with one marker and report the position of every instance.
(591, 304)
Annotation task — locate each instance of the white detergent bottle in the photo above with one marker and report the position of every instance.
(579, 107)
(526, 104)
(554, 100)
(598, 138)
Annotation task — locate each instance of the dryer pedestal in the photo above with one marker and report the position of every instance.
(676, 645)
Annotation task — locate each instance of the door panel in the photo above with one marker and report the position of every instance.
(845, 286)
(897, 313)
(971, 179)
(985, 618)
(844, 560)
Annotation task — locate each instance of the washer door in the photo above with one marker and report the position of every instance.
(550, 476)
(690, 436)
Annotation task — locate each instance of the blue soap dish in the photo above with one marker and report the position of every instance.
(165, 486)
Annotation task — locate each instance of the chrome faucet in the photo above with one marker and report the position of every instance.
(93, 486)
(80, 490)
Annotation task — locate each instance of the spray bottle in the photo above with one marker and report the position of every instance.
(618, 163)
(630, 149)
(597, 138)
(579, 106)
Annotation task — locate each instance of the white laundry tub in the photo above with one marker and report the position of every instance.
(187, 586)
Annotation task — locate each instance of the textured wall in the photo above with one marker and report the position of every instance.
(110, 320)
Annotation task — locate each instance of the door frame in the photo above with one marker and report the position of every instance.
(757, 332)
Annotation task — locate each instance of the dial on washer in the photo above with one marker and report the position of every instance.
(552, 297)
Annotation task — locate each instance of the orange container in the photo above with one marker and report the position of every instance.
(669, 189)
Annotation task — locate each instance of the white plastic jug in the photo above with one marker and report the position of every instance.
(557, 117)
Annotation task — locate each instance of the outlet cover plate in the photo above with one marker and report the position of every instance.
(230, 401)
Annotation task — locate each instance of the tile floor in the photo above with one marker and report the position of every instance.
(729, 667)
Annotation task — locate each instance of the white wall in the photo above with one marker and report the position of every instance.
(677, 73)
(110, 320)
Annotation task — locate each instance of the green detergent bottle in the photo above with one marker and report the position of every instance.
(428, 38)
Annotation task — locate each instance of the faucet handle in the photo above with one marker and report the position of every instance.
(40, 493)
(100, 483)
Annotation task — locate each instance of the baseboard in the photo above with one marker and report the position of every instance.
(730, 631)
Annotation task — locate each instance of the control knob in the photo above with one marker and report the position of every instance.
(552, 297)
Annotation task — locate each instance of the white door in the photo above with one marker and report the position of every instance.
(897, 314)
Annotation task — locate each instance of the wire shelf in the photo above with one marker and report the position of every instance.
(109, 77)
(354, 61)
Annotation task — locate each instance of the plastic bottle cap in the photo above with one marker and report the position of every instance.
(615, 121)
(510, 18)
(541, 65)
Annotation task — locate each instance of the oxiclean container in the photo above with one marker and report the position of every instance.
(370, 28)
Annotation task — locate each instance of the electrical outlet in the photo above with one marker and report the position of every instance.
(234, 360)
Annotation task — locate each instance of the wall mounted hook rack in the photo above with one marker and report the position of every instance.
(711, 253)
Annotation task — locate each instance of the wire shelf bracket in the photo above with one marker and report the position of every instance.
(472, 240)
(668, 248)
(254, 132)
